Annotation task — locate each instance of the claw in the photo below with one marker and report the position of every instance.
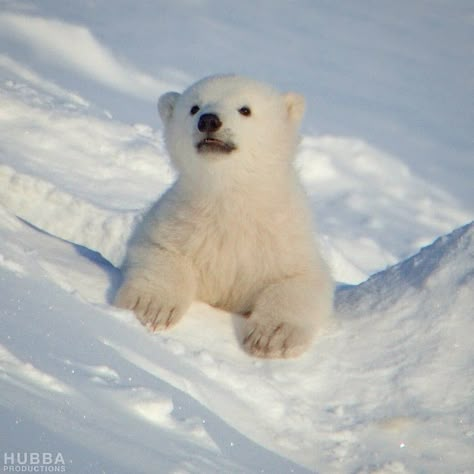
(137, 302)
(145, 313)
(170, 318)
(278, 329)
(248, 336)
(156, 320)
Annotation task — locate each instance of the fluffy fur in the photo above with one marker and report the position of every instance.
(234, 230)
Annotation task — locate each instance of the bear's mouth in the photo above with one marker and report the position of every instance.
(214, 145)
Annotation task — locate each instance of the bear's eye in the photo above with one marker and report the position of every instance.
(194, 110)
(245, 111)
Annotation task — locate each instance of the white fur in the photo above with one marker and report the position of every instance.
(234, 230)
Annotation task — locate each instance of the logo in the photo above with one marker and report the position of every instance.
(33, 462)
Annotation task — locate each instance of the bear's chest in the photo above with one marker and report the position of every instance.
(234, 253)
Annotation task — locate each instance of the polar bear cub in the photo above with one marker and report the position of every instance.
(234, 230)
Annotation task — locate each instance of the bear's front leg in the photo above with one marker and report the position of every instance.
(286, 316)
(158, 287)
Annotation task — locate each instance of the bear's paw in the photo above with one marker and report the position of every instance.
(275, 340)
(155, 309)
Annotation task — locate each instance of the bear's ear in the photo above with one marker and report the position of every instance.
(295, 105)
(166, 105)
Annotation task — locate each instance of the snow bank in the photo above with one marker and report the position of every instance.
(412, 327)
(372, 210)
(71, 170)
(73, 47)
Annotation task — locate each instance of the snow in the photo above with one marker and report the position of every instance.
(386, 159)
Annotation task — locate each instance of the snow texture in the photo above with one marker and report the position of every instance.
(386, 159)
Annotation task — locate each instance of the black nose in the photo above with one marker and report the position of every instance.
(209, 123)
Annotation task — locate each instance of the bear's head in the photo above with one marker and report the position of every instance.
(232, 122)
